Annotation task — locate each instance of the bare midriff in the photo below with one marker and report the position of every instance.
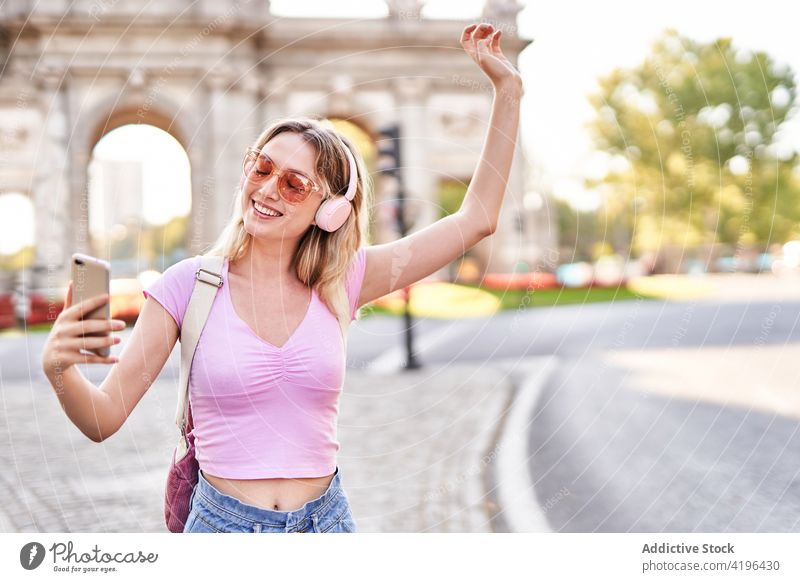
(274, 494)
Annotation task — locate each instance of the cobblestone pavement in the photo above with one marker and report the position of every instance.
(415, 451)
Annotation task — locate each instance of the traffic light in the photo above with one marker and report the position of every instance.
(389, 162)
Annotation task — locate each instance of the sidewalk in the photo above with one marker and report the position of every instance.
(415, 451)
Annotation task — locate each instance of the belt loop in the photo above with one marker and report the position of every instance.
(315, 523)
(257, 528)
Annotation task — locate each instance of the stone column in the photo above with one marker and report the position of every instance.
(203, 228)
(419, 179)
(234, 122)
(275, 103)
(57, 209)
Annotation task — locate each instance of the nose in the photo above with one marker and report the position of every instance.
(269, 187)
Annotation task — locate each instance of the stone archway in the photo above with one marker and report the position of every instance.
(110, 115)
(208, 82)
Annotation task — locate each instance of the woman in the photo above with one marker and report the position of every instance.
(269, 366)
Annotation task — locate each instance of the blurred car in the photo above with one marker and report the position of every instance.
(764, 262)
(44, 306)
(609, 271)
(8, 316)
(126, 299)
(734, 265)
(789, 263)
(575, 274)
(519, 281)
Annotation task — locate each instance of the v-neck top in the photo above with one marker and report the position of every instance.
(261, 411)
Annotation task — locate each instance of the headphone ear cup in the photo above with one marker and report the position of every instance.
(332, 214)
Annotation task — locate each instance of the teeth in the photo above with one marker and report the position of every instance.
(265, 210)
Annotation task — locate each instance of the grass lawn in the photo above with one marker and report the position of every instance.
(564, 296)
(513, 299)
(12, 331)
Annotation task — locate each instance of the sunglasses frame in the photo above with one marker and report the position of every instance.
(253, 154)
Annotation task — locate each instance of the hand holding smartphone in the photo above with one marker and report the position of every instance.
(91, 278)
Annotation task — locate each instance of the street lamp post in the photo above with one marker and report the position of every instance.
(389, 164)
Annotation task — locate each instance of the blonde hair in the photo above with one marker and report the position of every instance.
(322, 257)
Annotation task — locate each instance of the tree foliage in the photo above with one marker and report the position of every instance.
(691, 135)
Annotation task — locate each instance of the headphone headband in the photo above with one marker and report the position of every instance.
(351, 187)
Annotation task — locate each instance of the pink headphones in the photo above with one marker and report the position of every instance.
(333, 213)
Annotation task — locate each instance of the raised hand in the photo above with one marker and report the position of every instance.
(482, 43)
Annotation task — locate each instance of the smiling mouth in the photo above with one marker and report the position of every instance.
(263, 214)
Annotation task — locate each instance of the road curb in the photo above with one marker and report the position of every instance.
(515, 490)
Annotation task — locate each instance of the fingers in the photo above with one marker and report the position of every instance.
(89, 343)
(86, 326)
(78, 310)
(474, 33)
(482, 32)
(466, 35)
(496, 41)
(82, 334)
(68, 298)
(482, 40)
(61, 353)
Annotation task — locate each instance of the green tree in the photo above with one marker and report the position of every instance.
(577, 231)
(451, 196)
(693, 133)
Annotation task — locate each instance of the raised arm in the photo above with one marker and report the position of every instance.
(405, 261)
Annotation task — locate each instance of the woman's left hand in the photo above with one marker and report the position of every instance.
(482, 43)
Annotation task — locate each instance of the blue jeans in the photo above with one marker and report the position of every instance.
(211, 511)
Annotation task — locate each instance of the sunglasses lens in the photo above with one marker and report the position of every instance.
(257, 167)
(294, 188)
(263, 166)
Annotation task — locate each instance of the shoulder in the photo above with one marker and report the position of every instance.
(185, 267)
(356, 268)
(180, 272)
(173, 288)
(357, 262)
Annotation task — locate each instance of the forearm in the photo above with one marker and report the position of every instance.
(485, 193)
(86, 406)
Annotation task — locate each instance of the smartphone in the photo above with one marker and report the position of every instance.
(90, 278)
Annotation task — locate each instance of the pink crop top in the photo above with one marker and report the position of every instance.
(261, 411)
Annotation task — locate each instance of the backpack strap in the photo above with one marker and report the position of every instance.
(210, 275)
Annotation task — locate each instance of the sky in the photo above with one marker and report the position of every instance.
(166, 187)
(574, 43)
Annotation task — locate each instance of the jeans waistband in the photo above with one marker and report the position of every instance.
(248, 515)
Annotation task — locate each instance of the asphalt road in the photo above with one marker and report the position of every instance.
(609, 449)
